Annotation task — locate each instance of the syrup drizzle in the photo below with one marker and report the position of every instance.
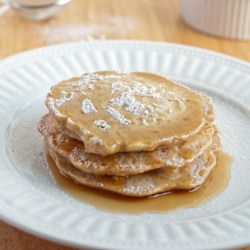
(165, 202)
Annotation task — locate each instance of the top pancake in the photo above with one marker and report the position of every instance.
(116, 112)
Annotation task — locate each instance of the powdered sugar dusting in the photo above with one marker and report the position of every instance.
(143, 90)
(64, 97)
(128, 101)
(78, 153)
(88, 80)
(131, 96)
(137, 184)
(127, 98)
(118, 116)
(116, 86)
(88, 106)
(95, 28)
(102, 125)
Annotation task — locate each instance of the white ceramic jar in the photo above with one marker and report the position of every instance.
(227, 18)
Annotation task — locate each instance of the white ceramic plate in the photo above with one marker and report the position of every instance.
(31, 201)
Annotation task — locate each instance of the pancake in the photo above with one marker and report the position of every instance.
(136, 134)
(145, 184)
(209, 120)
(122, 164)
(113, 112)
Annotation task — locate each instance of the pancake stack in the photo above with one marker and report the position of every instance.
(136, 134)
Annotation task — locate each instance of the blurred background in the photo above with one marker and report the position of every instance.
(81, 20)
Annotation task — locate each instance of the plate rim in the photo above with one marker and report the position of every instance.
(57, 46)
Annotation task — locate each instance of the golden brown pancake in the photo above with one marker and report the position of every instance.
(145, 184)
(115, 112)
(128, 163)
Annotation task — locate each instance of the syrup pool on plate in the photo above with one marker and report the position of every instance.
(165, 202)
